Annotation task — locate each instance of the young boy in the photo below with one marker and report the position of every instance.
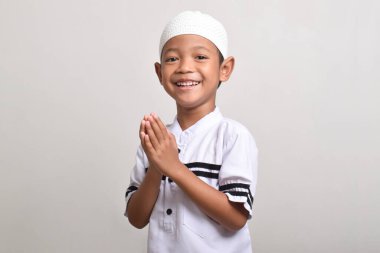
(194, 180)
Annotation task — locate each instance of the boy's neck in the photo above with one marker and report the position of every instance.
(187, 117)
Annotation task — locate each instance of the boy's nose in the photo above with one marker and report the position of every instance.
(185, 66)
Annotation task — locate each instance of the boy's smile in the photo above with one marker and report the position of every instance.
(190, 71)
(187, 83)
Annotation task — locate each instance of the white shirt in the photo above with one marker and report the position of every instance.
(222, 153)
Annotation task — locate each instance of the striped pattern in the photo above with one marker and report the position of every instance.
(238, 189)
(130, 190)
(206, 170)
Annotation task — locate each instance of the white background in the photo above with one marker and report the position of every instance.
(76, 78)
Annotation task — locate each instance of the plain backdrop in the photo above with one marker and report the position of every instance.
(76, 78)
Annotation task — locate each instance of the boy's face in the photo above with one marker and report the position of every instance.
(190, 71)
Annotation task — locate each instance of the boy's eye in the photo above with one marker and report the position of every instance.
(171, 59)
(201, 57)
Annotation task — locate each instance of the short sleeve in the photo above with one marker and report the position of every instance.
(238, 174)
(137, 174)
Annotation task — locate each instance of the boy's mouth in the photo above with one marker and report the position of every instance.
(187, 83)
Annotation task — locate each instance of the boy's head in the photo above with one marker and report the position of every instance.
(193, 55)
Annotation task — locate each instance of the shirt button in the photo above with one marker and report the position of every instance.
(169, 211)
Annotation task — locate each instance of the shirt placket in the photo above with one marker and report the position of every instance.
(169, 208)
(182, 141)
(170, 205)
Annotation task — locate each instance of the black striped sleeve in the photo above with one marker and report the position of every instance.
(203, 166)
(206, 170)
(238, 190)
(130, 189)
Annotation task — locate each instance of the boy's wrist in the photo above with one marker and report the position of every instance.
(177, 171)
(154, 172)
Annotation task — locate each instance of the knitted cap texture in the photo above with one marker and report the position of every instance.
(197, 23)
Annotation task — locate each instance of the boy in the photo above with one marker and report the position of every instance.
(194, 180)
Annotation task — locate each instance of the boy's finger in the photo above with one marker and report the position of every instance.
(141, 135)
(151, 134)
(148, 145)
(142, 127)
(142, 140)
(172, 138)
(156, 128)
(160, 124)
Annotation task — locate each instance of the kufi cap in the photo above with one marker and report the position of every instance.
(197, 23)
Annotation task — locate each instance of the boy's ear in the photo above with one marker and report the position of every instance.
(226, 68)
(157, 67)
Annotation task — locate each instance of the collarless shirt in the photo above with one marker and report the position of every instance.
(223, 154)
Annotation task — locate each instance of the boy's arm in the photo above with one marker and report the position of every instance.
(141, 203)
(161, 148)
(212, 202)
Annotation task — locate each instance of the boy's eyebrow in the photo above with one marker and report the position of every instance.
(201, 47)
(176, 49)
(172, 49)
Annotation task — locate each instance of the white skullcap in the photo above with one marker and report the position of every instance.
(195, 22)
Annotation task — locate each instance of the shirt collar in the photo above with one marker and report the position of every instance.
(204, 123)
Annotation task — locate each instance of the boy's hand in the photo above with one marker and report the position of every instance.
(159, 145)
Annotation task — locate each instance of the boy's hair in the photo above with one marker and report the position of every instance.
(221, 57)
(221, 60)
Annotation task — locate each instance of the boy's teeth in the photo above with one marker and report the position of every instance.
(189, 83)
